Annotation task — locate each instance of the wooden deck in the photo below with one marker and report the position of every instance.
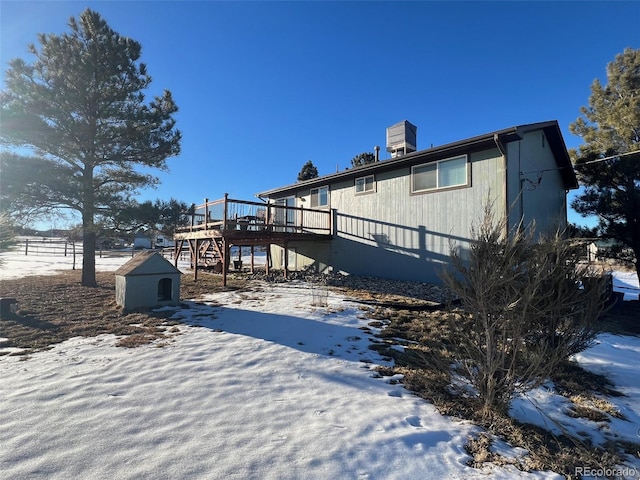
(218, 225)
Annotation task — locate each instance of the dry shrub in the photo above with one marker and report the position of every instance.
(426, 366)
(136, 340)
(593, 408)
(479, 448)
(526, 309)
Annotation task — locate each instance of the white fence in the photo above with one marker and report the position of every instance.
(63, 248)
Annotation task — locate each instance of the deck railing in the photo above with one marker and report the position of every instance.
(229, 215)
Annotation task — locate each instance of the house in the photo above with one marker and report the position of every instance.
(608, 249)
(399, 218)
(141, 240)
(163, 242)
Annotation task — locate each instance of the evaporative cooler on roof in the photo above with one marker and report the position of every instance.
(401, 138)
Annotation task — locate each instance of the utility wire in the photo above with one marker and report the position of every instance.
(637, 152)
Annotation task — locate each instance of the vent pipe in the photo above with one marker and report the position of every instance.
(377, 150)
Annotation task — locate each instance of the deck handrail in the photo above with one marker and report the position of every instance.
(229, 214)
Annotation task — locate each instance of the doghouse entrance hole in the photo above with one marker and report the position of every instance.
(164, 290)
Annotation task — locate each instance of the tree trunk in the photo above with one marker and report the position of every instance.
(88, 254)
(88, 231)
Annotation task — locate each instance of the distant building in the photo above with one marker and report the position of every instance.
(142, 240)
(162, 242)
(604, 249)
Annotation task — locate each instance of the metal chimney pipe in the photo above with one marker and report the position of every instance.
(377, 150)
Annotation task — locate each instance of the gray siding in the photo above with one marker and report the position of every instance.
(393, 233)
(396, 234)
(536, 191)
(308, 255)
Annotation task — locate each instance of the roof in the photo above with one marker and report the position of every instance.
(606, 243)
(147, 262)
(482, 142)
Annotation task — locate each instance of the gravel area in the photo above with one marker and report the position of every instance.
(370, 289)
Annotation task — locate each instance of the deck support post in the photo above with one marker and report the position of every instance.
(226, 212)
(206, 213)
(286, 259)
(191, 254)
(268, 260)
(225, 261)
(196, 259)
(177, 252)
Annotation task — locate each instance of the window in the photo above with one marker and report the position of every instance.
(320, 197)
(365, 184)
(285, 216)
(442, 174)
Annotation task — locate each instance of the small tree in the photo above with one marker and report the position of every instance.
(308, 172)
(363, 159)
(158, 216)
(74, 235)
(7, 232)
(525, 309)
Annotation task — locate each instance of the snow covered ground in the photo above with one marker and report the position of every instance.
(15, 264)
(627, 283)
(256, 385)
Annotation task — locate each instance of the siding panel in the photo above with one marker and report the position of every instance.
(393, 233)
(536, 186)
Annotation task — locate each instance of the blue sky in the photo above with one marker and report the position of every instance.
(263, 87)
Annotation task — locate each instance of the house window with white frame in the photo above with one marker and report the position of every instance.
(448, 173)
(365, 185)
(320, 197)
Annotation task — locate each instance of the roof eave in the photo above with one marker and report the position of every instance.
(507, 135)
(433, 154)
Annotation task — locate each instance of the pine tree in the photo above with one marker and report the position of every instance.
(608, 163)
(158, 216)
(81, 107)
(363, 159)
(308, 171)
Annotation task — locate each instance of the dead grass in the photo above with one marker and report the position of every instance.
(52, 309)
(425, 363)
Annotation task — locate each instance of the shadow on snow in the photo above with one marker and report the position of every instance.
(317, 336)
